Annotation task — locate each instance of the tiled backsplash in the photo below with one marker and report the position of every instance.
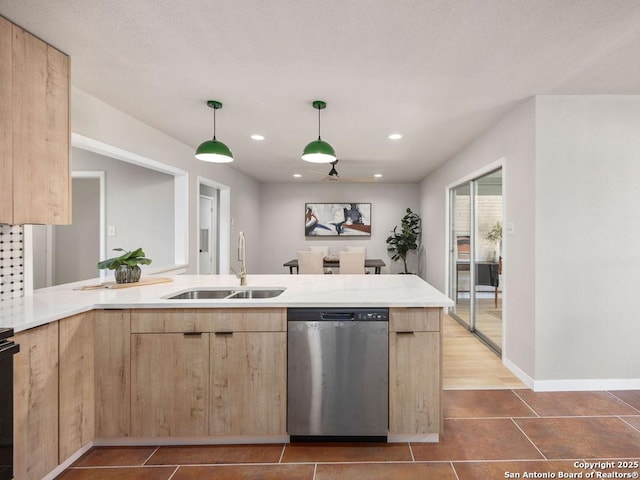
(11, 261)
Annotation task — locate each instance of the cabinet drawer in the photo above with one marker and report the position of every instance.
(165, 320)
(415, 319)
(186, 320)
(243, 320)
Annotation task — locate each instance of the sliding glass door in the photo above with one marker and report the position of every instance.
(476, 256)
(461, 252)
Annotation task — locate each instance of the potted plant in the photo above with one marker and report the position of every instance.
(126, 265)
(400, 243)
(495, 235)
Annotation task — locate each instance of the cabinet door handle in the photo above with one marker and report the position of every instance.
(405, 333)
(192, 334)
(224, 334)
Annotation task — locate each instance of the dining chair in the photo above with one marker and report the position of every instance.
(352, 262)
(324, 250)
(310, 262)
(359, 248)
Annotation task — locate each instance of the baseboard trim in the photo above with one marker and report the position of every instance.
(212, 440)
(413, 438)
(522, 376)
(67, 463)
(574, 385)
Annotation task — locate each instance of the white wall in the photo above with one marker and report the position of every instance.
(76, 247)
(571, 165)
(99, 121)
(139, 204)
(512, 142)
(282, 219)
(587, 230)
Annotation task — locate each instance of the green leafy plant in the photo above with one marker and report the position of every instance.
(129, 258)
(495, 234)
(401, 242)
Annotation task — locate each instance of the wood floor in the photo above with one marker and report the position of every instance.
(470, 364)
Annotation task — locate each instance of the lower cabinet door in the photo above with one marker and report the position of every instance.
(169, 384)
(248, 383)
(35, 400)
(414, 383)
(76, 383)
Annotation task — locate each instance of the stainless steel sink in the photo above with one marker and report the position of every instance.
(257, 293)
(227, 294)
(202, 295)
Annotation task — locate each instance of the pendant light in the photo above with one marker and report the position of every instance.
(213, 150)
(319, 151)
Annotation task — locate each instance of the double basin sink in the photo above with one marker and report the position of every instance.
(227, 294)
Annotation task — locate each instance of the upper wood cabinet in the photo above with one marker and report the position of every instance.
(35, 176)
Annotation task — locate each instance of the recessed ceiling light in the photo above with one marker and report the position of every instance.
(395, 136)
(378, 175)
(297, 175)
(257, 137)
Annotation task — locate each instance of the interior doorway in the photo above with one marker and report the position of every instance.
(475, 256)
(207, 247)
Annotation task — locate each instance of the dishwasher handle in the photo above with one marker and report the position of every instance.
(339, 316)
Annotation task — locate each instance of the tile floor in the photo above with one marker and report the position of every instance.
(488, 434)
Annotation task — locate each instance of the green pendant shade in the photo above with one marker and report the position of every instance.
(319, 151)
(213, 150)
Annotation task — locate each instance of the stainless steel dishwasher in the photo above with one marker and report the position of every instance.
(338, 373)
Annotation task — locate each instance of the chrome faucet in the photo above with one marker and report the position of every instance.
(242, 258)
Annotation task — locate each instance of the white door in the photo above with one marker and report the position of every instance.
(207, 236)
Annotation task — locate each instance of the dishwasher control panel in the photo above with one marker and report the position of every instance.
(378, 316)
(343, 314)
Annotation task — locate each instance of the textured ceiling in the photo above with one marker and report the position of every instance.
(438, 72)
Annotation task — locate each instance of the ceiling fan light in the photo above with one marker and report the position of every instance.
(319, 151)
(214, 151)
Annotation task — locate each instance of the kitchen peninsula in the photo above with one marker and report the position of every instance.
(114, 366)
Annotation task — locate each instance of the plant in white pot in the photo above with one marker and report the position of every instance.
(126, 265)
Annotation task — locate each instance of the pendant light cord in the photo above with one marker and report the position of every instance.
(319, 123)
(214, 123)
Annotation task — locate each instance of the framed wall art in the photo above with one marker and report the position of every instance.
(337, 219)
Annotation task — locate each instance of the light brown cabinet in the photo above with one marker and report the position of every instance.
(415, 376)
(36, 402)
(76, 384)
(54, 394)
(112, 360)
(169, 384)
(208, 372)
(35, 180)
(6, 122)
(248, 383)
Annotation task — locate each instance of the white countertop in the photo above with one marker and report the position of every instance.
(54, 303)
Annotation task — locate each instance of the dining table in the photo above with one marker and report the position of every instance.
(375, 263)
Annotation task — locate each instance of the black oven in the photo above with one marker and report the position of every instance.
(7, 350)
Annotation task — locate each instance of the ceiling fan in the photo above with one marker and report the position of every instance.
(334, 176)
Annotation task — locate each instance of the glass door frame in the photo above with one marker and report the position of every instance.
(451, 262)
